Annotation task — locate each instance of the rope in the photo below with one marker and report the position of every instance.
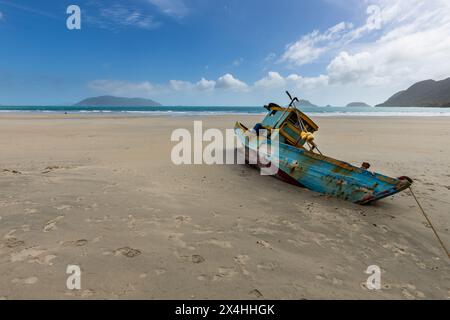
(429, 222)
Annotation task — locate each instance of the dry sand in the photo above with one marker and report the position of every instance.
(101, 192)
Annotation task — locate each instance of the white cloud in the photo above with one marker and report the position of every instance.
(202, 85)
(227, 81)
(275, 81)
(401, 42)
(414, 46)
(179, 85)
(1, 15)
(119, 15)
(125, 88)
(148, 89)
(206, 85)
(307, 83)
(311, 46)
(348, 68)
(381, 15)
(174, 8)
(272, 80)
(225, 90)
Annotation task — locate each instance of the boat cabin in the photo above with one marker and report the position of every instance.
(295, 127)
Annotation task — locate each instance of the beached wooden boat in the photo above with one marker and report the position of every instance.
(300, 162)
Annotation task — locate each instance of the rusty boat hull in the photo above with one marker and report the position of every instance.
(322, 174)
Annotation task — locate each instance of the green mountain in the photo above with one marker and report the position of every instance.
(305, 103)
(429, 93)
(357, 104)
(111, 101)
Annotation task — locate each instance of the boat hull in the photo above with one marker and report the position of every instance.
(320, 173)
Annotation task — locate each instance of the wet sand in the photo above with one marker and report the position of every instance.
(102, 193)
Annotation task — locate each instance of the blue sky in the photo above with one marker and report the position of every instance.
(224, 52)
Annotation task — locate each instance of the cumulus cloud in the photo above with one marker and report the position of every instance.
(148, 89)
(229, 82)
(225, 82)
(348, 68)
(202, 85)
(206, 85)
(413, 46)
(272, 80)
(275, 81)
(401, 42)
(306, 83)
(125, 88)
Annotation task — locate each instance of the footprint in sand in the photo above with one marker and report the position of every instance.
(196, 258)
(51, 168)
(255, 293)
(127, 252)
(183, 219)
(268, 266)
(13, 243)
(31, 255)
(76, 243)
(225, 274)
(11, 171)
(26, 254)
(410, 292)
(241, 259)
(264, 244)
(395, 248)
(10, 234)
(51, 225)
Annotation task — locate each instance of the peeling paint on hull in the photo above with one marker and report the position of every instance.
(326, 175)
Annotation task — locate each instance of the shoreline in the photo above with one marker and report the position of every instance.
(131, 115)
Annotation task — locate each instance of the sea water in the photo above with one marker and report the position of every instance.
(230, 110)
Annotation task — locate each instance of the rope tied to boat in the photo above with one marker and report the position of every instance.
(430, 223)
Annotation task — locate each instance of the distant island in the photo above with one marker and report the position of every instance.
(305, 103)
(111, 101)
(428, 94)
(358, 104)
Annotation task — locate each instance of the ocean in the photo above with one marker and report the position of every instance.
(228, 110)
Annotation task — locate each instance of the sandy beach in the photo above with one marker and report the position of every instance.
(102, 193)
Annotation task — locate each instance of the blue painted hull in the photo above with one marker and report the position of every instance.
(323, 174)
